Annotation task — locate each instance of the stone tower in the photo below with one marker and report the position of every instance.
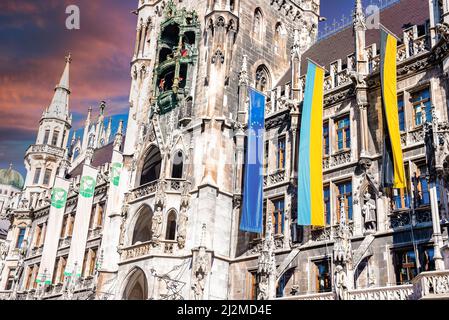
(43, 159)
(192, 63)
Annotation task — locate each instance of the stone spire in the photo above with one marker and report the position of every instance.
(86, 128)
(59, 106)
(359, 16)
(108, 131)
(119, 137)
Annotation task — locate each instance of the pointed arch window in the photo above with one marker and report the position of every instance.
(280, 39)
(263, 79)
(142, 229)
(170, 233)
(151, 169)
(178, 165)
(258, 25)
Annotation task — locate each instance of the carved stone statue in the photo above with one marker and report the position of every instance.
(4, 248)
(156, 227)
(124, 215)
(369, 213)
(198, 287)
(182, 227)
(263, 288)
(341, 283)
(200, 271)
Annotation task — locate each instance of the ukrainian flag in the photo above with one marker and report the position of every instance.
(393, 166)
(310, 167)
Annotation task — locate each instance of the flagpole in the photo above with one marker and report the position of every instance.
(389, 31)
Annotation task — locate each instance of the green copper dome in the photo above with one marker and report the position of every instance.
(11, 177)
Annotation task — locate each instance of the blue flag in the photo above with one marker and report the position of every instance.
(252, 215)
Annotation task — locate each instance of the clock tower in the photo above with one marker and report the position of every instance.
(44, 158)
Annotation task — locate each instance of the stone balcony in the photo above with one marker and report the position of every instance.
(50, 150)
(148, 190)
(275, 178)
(146, 248)
(338, 159)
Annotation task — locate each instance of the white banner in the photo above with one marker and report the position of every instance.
(111, 235)
(82, 219)
(54, 225)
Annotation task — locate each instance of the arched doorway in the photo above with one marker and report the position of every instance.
(151, 169)
(142, 229)
(137, 287)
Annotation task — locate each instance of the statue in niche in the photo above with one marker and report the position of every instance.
(182, 227)
(341, 283)
(263, 288)
(369, 213)
(201, 269)
(156, 227)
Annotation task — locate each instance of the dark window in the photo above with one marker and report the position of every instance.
(171, 226)
(20, 237)
(421, 102)
(178, 165)
(47, 177)
(254, 286)
(343, 134)
(278, 216)
(10, 280)
(281, 154)
(152, 167)
(401, 113)
(422, 194)
(323, 276)
(345, 190)
(37, 175)
(405, 266)
(327, 205)
(283, 283)
(46, 137)
(55, 138)
(142, 229)
(326, 139)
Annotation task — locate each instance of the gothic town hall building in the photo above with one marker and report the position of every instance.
(175, 233)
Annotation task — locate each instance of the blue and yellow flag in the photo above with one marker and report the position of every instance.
(393, 164)
(252, 215)
(310, 167)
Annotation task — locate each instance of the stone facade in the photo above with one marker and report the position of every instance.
(179, 217)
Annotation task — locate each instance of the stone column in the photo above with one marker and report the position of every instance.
(437, 236)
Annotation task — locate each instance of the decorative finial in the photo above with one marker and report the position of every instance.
(10, 166)
(102, 107)
(68, 58)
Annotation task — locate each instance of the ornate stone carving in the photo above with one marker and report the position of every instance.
(369, 212)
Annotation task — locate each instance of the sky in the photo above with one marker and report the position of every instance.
(33, 43)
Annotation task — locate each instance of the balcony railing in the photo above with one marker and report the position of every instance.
(404, 292)
(55, 151)
(149, 247)
(275, 178)
(143, 191)
(406, 218)
(431, 285)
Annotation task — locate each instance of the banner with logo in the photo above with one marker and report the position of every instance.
(54, 224)
(111, 236)
(81, 226)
